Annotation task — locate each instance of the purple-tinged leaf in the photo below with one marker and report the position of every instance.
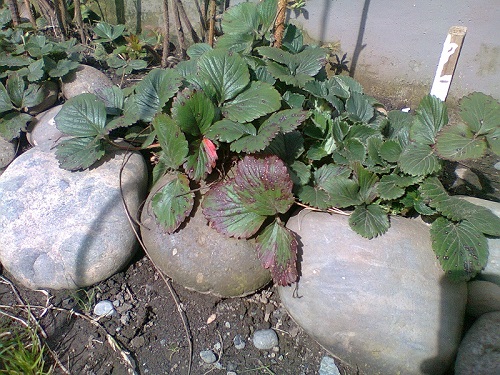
(201, 161)
(173, 203)
(277, 251)
(238, 206)
(227, 214)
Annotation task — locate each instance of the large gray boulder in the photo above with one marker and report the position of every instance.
(43, 129)
(382, 305)
(198, 257)
(483, 297)
(66, 230)
(479, 352)
(85, 79)
(8, 151)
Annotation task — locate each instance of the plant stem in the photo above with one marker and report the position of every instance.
(166, 36)
(178, 28)
(79, 21)
(186, 21)
(279, 25)
(211, 23)
(14, 11)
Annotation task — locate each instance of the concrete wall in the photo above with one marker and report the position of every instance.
(393, 45)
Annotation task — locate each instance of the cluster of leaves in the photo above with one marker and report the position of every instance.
(29, 65)
(296, 134)
(122, 50)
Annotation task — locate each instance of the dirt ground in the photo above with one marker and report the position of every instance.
(149, 327)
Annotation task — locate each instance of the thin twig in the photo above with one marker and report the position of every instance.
(79, 21)
(166, 36)
(211, 23)
(279, 26)
(178, 29)
(332, 210)
(30, 13)
(187, 22)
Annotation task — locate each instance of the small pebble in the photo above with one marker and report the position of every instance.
(328, 367)
(497, 166)
(238, 342)
(265, 339)
(208, 356)
(104, 308)
(231, 373)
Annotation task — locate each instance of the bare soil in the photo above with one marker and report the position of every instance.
(149, 327)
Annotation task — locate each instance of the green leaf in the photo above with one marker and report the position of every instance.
(264, 185)
(419, 160)
(107, 32)
(481, 112)
(238, 206)
(63, 67)
(280, 56)
(137, 64)
(344, 192)
(284, 121)
(79, 153)
(493, 140)
(431, 116)
(154, 91)
(173, 203)
(241, 19)
(300, 173)
(198, 49)
(225, 71)
(286, 146)
(399, 127)
(310, 61)
(359, 108)
(267, 14)
(11, 124)
(36, 70)
(172, 141)
(392, 186)
(33, 95)
(202, 159)
(229, 131)
(461, 250)
(193, 111)
(293, 39)
(82, 116)
(354, 150)
(238, 43)
(458, 143)
(390, 150)
(457, 209)
(258, 100)
(15, 88)
(5, 103)
(369, 221)
(367, 182)
(277, 251)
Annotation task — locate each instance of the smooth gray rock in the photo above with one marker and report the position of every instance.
(328, 366)
(43, 129)
(8, 150)
(85, 79)
(265, 339)
(382, 305)
(66, 230)
(208, 356)
(482, 297)
(479, 352)
(198, 257)
(492, 269)
(50, 94)
(104, 308)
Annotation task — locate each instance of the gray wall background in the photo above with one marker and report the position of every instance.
(393, 45)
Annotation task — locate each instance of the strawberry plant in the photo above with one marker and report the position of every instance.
(265, 128)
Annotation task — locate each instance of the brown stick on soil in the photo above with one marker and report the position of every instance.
(178, 28)
(60, 13)
(279, 25)
(211, 24)
(203, 19)
(166, 35)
